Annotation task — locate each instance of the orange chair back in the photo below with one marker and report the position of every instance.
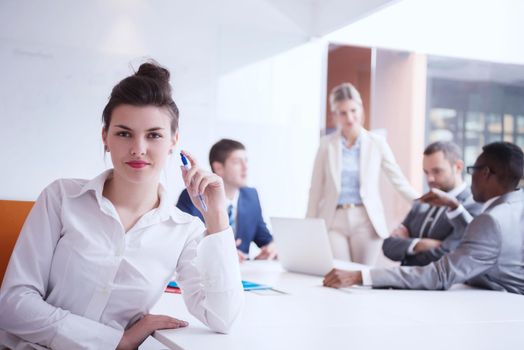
(12, 217)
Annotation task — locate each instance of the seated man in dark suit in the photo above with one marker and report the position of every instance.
(426, 234)
(229, 161)
(490, 254)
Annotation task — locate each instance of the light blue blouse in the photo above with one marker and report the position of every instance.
(350, 186)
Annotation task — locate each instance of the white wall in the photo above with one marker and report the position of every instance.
(276, 114)
(59, 61)
(273, 107)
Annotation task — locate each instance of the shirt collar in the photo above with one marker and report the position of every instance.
(166, 207)
(96, 185)
(458, 190)
(355, 145)
(234, 201)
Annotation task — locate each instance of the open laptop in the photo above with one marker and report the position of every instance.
(303, 245)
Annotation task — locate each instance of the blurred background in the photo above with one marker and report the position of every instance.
(258, 71)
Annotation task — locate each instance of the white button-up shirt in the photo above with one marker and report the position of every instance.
(77, 280)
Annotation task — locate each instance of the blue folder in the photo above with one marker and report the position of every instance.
(246, 284)
(254, 286)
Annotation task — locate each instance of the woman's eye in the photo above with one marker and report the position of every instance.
(123, 134)
(154, 135)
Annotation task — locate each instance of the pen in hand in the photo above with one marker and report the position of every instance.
(185, 163)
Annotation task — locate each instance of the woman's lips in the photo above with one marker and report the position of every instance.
(137, 164)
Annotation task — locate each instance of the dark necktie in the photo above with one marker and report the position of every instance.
(231, 217)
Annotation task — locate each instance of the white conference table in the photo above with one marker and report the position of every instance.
(310, 316)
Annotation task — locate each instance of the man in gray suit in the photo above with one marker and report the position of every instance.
(490, 255)
(426, 234)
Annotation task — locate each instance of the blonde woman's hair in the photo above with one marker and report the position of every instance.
(342, 92)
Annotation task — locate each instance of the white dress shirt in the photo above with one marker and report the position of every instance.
(451, 214)
(234, 204)
(77, 280)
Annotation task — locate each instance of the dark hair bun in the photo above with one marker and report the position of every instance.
(149, 86)
(154, 71)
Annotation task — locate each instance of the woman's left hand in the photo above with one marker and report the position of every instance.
(211, 187)
(137, 333)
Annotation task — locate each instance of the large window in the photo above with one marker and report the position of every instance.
(474, 103)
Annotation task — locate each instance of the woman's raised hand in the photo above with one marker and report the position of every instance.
(209, 187)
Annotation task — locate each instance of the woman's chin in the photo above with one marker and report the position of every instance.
(350, 128)
(139, 177)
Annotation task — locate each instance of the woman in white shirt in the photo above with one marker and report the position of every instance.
(94, 256)
(345, 183)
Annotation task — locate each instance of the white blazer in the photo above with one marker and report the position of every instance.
(375, 156)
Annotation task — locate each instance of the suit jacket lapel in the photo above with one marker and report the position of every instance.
(441, 218)
(335, 159)
(462, 196)
(365, 145)
(241, 207)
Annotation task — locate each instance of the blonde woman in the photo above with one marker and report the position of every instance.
(345, 183)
